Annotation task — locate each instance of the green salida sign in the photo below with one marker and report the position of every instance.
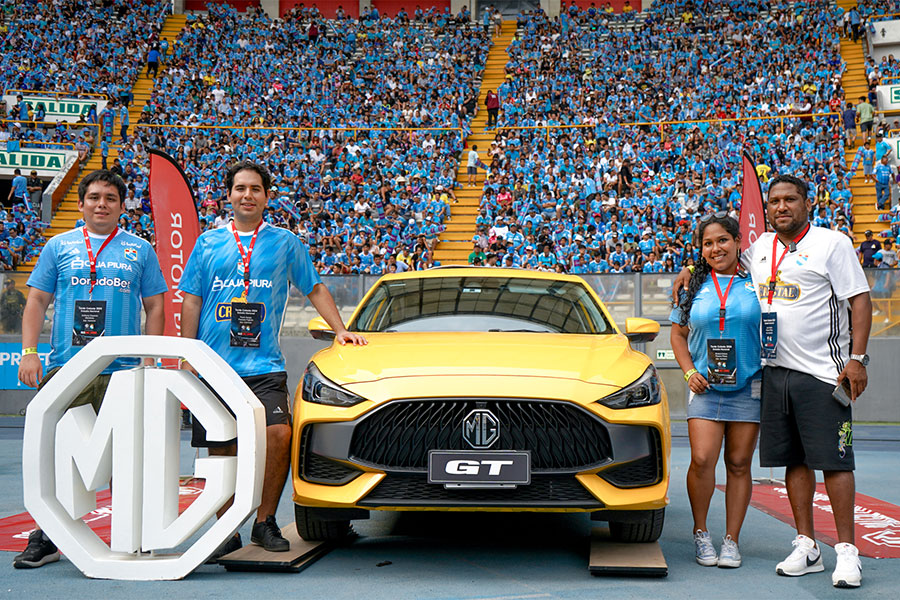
(895, 94)
(32, 160)
(63, 107)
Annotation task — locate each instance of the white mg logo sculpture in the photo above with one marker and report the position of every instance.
(69, 454)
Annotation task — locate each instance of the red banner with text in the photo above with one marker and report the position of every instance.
(177, 228)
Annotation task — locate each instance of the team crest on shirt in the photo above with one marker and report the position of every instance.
(748, 285)
(802, 258)
(240, 266)
(131, 254)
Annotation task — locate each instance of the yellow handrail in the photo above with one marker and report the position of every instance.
(57, 94)
(38, 142)
(50, 123)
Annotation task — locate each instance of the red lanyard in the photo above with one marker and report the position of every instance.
(792, 246)
(245, 255)
(722, 299)
(92, 258)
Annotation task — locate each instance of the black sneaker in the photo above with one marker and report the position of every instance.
(37, 553)
(268, 535)
(232, 544)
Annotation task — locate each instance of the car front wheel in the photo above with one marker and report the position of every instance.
(314, 529)
(647, 527)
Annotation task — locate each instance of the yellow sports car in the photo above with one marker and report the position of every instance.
(482, 389)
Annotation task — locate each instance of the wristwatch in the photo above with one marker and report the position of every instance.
(862, 358)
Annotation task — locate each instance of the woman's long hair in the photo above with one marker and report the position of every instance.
(702, 268)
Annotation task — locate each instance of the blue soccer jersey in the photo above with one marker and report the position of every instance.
(741, 324)
(127, 271)
(214, 272)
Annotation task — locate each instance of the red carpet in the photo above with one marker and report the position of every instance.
(14, 530)
(877, 521)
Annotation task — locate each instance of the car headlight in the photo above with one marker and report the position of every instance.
(643, 392)
(317, 388)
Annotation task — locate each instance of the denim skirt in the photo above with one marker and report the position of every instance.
(732, 406)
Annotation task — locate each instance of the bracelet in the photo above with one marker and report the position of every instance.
(687, 376)
(27, 351)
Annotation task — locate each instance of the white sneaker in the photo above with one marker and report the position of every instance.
(730, 555)
(706, 552)
(805, 558)
(848, 572)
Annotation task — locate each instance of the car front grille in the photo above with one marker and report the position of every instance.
(639, 473)
(545, 491)
(561, 436)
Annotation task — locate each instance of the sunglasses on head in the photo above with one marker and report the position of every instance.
(719, 214)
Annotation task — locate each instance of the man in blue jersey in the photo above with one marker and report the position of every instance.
(236, 286)
(98, 277)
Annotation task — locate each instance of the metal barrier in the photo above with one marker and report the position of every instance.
(625, 295)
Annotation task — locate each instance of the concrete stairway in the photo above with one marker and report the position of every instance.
(67, 213)
(456, 242)
(865, 214)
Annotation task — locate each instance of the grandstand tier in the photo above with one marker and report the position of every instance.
(456, 241)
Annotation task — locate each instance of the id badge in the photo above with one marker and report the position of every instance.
(721, 359)
(90, 321)
(769, 331)
(246, 324)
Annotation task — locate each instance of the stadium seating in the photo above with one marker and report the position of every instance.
(609, 177)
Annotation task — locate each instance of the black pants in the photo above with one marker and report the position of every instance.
(492, 117)
(152, 69)
(854, 32)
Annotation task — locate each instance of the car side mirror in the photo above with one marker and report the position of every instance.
(321, 330)
(640, 330)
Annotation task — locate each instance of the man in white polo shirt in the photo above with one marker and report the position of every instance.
(807, 279)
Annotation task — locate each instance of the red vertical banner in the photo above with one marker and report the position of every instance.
(753, 215)
(177, 228)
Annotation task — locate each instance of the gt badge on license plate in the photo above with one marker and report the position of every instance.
(481, 468)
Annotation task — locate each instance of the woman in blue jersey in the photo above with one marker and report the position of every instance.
(715, 337)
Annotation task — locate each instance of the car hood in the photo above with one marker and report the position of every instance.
(605, 360)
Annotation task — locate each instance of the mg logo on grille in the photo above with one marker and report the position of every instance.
(480, 428)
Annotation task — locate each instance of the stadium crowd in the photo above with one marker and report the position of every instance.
(52, 47)
(603, 190)
(609, 192)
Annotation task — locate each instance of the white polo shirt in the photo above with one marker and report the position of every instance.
(812, 288)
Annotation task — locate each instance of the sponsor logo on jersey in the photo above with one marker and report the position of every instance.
(131, 254)
(220, 284)
(131, 244)
(223, 312)
(116, 282)
(80, 263)
(789, 292)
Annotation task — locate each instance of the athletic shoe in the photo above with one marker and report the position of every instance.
(848, 572)
(706, 552)
(37, 553)
(729, 556)
(268, 535)
(233, 543)
(804, 559)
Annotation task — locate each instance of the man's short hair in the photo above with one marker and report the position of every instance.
(798, 183)
(103, 176)
(248, 165)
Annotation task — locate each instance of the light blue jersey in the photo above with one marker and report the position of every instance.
(279, 259)
(742, 316)
(127, 271)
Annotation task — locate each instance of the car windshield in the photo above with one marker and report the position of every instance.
(482, 304)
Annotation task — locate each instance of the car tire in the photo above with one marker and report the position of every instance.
(647, 528)
(312, 529)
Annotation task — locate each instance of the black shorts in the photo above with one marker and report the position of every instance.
(866, 126)
(801, 423)
(471, 170)
(270, 389)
